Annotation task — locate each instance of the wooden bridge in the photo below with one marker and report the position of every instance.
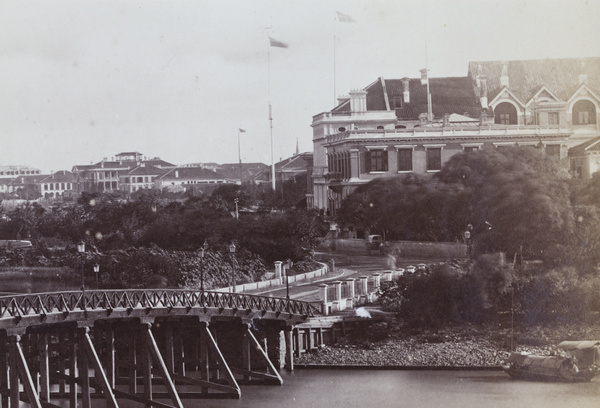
(148, 346)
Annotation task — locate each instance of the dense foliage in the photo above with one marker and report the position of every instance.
(136, 240)
(517, 201)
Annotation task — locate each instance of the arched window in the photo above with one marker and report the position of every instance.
(584, 113)
(505, 114)
(341, 129)
(379, 127)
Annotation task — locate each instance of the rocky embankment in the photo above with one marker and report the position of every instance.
(466, 346)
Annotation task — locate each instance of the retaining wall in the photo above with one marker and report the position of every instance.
(408, 249)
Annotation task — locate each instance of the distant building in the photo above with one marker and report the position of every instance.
(9, 172)
(185, 177)
(57, 184)
(126, 172)
(389, 128)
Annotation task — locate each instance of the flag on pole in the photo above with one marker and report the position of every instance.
(242, 130)
(277, 43)
(344, 18)
(424, 77)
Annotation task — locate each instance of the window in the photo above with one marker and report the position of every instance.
(397, 102)
(469, 149)
(376, 160)
(505, 114)
(553, 150)
(553, 118)
(405, 160)
(434, 158)
(584, 113)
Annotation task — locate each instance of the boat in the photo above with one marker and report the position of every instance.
(574, 361)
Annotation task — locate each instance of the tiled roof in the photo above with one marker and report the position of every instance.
(232, 170)
(592, 145)
(448, 95)
(526, 77)
(145, 170)
(59, 176)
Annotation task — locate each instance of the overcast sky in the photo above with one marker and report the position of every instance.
(83, 80)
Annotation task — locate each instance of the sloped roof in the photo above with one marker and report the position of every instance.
(448, 95)
(191, 173)
(232, 170)
(145, 170)
(526, 77)
(592, 145)
(61, 176)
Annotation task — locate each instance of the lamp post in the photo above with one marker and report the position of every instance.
(96, 271)
(81, 250)
(232, 252)
(288, 265)
(202, 253)
(467, 235)
(237, 216)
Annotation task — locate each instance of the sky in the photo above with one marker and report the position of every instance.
(85, 80)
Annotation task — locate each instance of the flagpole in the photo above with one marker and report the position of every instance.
(271, 121)
(240, 158)
(429, 107)
(334, 63)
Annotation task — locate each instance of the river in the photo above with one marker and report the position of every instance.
(398, 388)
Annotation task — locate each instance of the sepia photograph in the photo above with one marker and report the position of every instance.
(303, 203)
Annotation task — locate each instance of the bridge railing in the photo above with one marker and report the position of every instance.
(65, 302)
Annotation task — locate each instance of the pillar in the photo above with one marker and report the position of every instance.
(364, 286)
(377, 280)
(351, 289)
(389, 276)
(323, 298)
(289, 348)
(338, 290)
(278, 274)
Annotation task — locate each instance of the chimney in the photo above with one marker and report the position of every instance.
(405, 91)
(423, 119)
(482, 118)
(176, 173)
(342, 99)
(446, 120)
(358, 101)
(504, 75)
(483, 91)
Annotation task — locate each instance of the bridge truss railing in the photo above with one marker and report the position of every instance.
(65, 302)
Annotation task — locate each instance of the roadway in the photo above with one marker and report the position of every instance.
(346, 266)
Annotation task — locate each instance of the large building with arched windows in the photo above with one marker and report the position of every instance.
(395, 127)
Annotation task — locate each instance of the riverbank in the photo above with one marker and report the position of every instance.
(387, 344)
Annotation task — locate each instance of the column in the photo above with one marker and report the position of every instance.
(364, 287)
(388, 276)
(289, 348)
(350, 283)
(377, 280)
(278, 274)
(354, 165)
(323, 298)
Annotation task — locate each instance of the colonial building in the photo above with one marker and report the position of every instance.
(414, 125)
(107, 175)
(184, 178)
(57, 184)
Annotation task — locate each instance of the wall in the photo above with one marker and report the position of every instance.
(408, 249)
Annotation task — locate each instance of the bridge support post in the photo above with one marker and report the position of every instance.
(44, 367)
(20, 369)
(100, 378)
(4, 370)
(289, 347)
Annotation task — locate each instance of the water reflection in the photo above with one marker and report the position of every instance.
(408, 389)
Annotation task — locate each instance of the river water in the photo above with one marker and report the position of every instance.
(322, 388)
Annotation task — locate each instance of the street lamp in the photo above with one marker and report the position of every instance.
(288, 265)
(232, 252)
(202, 253)
(237, 216)
(81, 250)
(467, 235)
(96, 271)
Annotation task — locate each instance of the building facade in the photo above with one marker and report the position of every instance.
(406, 126)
